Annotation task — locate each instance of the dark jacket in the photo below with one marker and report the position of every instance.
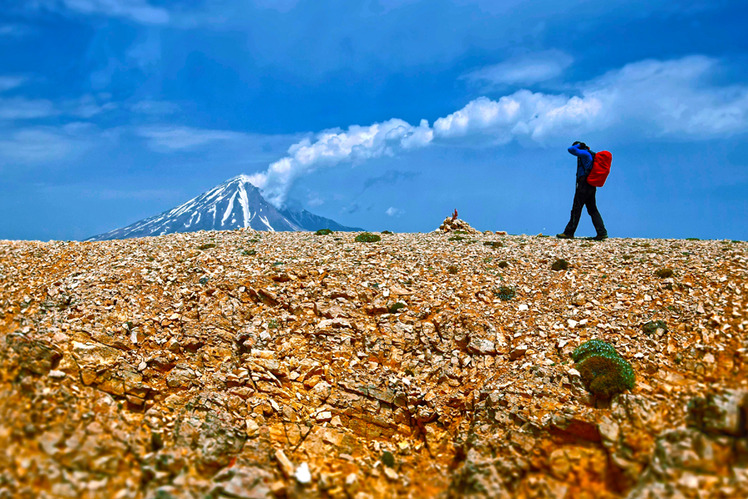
(584, 161)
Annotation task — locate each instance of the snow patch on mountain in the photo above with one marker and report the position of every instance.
(234, 204)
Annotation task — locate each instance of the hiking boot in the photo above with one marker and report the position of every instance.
(564, 235)
(600, 237)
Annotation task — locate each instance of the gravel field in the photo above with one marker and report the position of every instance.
(250, 364)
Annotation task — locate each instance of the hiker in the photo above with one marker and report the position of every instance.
(584, 195)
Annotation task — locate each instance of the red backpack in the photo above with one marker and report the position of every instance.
(600, 168)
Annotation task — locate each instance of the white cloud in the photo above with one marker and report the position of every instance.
(87, 106)
(43, 144)
(393, 212)
(9, 82)
(20, 108)
(136, 10)
(671, 99)
(644, 99)
(172, 138)
(332, 147)
(523, 70)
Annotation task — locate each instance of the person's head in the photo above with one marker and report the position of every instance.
(581, 145)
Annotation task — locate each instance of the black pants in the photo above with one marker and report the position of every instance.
(585, 196)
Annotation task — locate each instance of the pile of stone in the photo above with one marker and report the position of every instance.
(454, 224)
(245, 364)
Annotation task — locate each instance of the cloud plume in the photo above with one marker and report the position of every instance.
(332, 147)
(644, 99)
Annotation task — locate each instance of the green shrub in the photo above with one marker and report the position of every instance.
(366, 237)
(664, 273)
(249, 252)
(456, 238)
(592, 347)
(323, 232)
(606, 374)
(452, 269)
(206, 246)
(505, 293)
(395, 307)
(494, 244)
(388, 232)
(560, 264)
(503, 264)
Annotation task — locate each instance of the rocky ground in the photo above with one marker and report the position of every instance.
(246, 364)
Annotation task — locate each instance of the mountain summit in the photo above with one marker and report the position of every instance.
(234, 204)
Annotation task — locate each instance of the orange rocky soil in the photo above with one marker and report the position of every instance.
(244, 364)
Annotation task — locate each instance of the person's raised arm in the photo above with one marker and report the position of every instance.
(580, 153)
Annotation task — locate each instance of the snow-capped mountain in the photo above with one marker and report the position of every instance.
(233, 204)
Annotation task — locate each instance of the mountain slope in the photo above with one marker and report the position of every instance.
(233, 204)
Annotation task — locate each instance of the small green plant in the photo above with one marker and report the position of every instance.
(205, 246)
(367, 237)
(651, 327)
(272, 324)
(452, 269)
(591, 347)
(323, 232)
(494, 244)
(693, 239)
(388, 232)
(503, 264)
(456, 238)
(560, 264)
(604, 372)
(248, 252)
(396, 306)
(388, 459)
(664, 273)
(505, 293)
(276, 264)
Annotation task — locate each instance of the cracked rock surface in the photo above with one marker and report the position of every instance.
(247, 364)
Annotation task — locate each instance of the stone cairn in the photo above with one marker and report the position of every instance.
(452, 224)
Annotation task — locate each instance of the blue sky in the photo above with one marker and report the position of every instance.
(383, 114)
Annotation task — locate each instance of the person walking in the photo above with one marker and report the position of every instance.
(584, 195)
